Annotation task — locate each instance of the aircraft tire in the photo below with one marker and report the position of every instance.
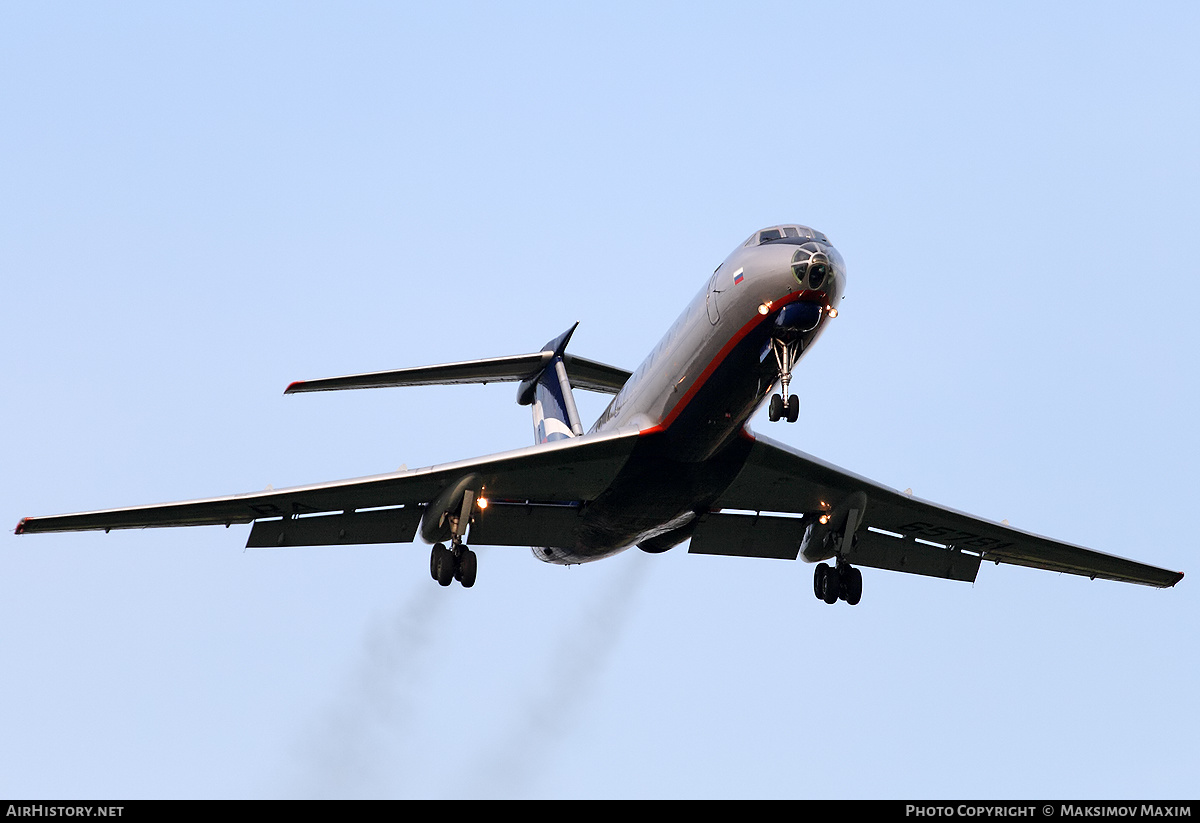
(793, 409)
(775, 411)
(433, 559)
(819, 580)
(852, 585)
(468, 565)
(831, 590)
(443, 563)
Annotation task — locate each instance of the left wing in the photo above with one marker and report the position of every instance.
(574, 469)
(897, 531)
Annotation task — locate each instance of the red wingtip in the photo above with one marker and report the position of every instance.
(21, 526)
(292, 386)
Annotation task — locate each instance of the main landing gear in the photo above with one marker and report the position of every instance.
(840, 582)
(786, 355)
(454, 563)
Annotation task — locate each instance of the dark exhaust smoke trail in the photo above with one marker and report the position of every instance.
(353, 753)
(543, 722)
(357, 733)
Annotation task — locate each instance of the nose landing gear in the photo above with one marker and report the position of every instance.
(780, 410)
(786, 355)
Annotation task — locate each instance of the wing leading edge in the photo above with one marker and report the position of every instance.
(898, 531)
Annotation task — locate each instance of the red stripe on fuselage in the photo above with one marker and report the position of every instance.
(729, 346)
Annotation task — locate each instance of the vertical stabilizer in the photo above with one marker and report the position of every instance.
(549, 391)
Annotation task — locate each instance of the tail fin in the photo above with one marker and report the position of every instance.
(549, 391)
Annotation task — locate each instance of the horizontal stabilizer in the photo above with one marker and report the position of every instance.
(583, 373)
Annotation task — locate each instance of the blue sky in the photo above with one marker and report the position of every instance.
(204, 202)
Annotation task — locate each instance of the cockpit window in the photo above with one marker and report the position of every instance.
(786, 234)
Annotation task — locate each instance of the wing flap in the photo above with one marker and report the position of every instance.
(398, 525)
(521, 524)
(771, 536)
(747, 535)
(879, 551)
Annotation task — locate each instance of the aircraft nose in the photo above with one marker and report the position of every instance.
(812, 266)
(797, 318)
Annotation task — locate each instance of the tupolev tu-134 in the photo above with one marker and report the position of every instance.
(670, 459)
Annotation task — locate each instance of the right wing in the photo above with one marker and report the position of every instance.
(898, 531)
(539, 478)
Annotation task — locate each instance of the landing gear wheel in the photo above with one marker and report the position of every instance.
(831, 586)
(776, 410)
(819, 580)
(442, 565)
(832, 589)
(851, 585)
(468, 564)
(433, 559)
(787, 351)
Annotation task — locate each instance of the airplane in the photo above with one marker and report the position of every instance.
(671, 459)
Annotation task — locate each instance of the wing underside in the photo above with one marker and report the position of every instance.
(898, 532)
(536, 487)
(538, 494)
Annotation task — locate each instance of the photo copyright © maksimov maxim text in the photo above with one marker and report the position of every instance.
(1050, 810)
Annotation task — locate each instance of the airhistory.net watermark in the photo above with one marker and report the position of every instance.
(46, 810)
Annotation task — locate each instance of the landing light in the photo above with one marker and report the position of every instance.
(482, 502)
(832, 311)
(824, 519)
(765, 307)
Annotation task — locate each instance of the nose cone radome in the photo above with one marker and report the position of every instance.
(817, 266)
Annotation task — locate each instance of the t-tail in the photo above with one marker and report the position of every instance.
(546, 377)
(555, 416)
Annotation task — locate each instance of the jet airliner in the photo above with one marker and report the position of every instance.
(670, 460)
